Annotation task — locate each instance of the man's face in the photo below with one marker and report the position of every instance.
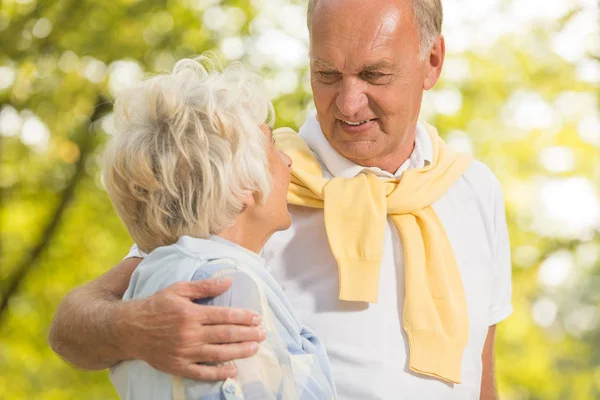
(367, 78)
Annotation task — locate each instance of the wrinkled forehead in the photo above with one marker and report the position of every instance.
(350, 27)
(359, 17)
(361, 21)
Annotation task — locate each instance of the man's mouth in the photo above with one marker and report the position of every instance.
(357, 123)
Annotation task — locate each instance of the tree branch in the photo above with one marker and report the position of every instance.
(86, 146)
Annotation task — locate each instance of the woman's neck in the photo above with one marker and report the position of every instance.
(249, 236)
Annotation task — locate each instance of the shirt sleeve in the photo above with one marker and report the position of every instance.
(260, 376)
(501, 306)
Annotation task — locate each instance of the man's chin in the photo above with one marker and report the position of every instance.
(359, 152)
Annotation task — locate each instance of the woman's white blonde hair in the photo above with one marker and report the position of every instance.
(187, 151)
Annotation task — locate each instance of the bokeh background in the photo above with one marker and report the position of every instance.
(520, 90)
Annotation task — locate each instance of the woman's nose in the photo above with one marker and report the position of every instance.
(287, 159)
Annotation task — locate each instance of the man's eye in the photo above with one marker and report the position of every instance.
(328, 76)
(373, 75)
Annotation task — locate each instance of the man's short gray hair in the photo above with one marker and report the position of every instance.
(428, 16)
(188, 150)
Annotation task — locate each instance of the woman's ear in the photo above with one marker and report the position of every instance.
(249, 200)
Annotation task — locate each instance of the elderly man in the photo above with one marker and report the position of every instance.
(398, 254)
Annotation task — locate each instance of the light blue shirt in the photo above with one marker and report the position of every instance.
(290, 364)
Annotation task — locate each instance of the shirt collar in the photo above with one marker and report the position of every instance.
(339, 165)
(217, 247)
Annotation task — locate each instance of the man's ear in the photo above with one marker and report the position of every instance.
(434, 63)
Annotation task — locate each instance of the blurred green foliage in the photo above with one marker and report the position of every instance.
(517, 105)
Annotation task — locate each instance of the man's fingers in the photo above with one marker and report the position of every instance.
(228, 316)
(227, 352)
(201, 289)
(225, 334)
(210, 373)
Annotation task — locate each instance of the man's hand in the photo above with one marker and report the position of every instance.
(172, 334)
(94, 329)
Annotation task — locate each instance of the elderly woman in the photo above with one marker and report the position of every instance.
(194, 175)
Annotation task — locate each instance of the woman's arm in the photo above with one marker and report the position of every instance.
(94, 329)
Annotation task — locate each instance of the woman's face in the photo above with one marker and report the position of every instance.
(275, 212)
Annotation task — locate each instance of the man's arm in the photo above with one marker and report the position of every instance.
(83, 329)
(488, 376)
(501, 306)
(94, 329)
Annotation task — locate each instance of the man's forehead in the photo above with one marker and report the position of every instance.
(314, 4)
(379, 12)
(372, 27)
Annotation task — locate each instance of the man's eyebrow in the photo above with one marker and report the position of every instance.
(378, 66)
(320, 63)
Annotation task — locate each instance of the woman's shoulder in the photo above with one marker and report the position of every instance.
(166, 265)
(246, 291)
(216, 268)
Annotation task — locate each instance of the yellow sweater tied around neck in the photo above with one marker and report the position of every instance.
(435, 311)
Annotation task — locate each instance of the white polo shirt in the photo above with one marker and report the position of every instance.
(366, 343)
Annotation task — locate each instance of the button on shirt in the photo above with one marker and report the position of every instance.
(366, 343)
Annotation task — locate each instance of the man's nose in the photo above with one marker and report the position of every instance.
(352, 96)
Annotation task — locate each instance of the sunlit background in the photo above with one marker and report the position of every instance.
(520, 90)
